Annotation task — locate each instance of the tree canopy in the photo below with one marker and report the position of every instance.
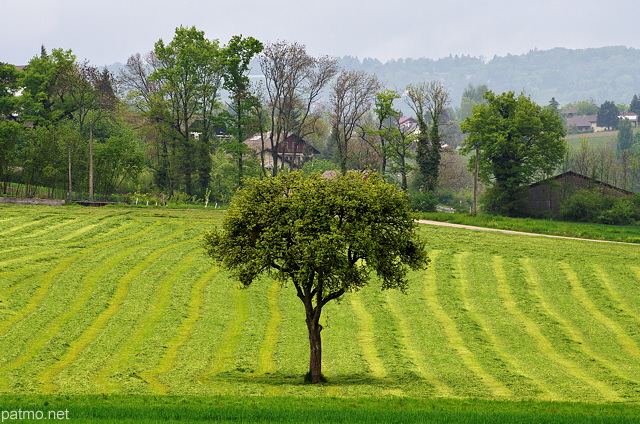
(325, 236)
(608, 115)
(518, 141)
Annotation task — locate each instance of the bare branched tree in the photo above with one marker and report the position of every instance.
(293, 83)
(429, 102)
(352, 96)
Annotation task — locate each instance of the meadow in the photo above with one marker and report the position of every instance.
(120, 306)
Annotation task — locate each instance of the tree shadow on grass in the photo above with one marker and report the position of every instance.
(341, 380)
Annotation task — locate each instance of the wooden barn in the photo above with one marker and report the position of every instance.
(548, 195)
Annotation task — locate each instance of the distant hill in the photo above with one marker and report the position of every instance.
(607, 73)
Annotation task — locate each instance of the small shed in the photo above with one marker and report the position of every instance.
(548, 195)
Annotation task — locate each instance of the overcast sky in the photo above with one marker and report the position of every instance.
(109, 31)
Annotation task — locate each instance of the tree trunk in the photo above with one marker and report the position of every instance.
(315, 348)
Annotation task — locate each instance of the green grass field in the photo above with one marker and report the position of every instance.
(106, 302)
(620, 233)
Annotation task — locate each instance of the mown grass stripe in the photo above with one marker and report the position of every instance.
(78, 345)
(366, 338)
(168, 360)
(266, 363)
(497, 346)
(27, 224)
(51, 329)
(415, 355)
(153, 314)
(583, 297)
(456, 341)
(31, 257)
(542, 343)
(46, 230)
(223, 360)
(607, 283)
(50, 277)
(39, 295)
(572, 368)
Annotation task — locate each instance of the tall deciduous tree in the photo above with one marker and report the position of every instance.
(293, 83)
(428, 101)
(190, 76)
(352, 95)
(9, 133)
(386, 120)
(236, 57)
(144, 94)
(43, 100)
(322, 235)
(9, 76)
(518, 141)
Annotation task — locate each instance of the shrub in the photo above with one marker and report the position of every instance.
(499, 200)
(588, 206)
(623, 212)
(584, 206)
(423, 201)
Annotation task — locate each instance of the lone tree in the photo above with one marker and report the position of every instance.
(518, 142)
(322, 235)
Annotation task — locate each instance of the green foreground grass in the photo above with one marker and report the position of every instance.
(117, 314)
(228, 409)
(621, 233)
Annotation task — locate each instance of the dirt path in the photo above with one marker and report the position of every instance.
(470, 227)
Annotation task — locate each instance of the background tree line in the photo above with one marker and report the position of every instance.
(172, 121)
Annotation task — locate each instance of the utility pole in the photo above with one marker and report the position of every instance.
(91, 160)
(474, 208)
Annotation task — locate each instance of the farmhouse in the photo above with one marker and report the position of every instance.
(631, 117)
(548, 195)
(408, 125)
(584, 123)
(293, 151)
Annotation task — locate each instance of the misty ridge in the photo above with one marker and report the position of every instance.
(599, 74)
(568, 75)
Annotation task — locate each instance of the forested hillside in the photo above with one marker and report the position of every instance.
(607, 73)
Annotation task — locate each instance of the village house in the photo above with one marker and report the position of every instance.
(584, 123)
(292, 152)
(631, 117)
